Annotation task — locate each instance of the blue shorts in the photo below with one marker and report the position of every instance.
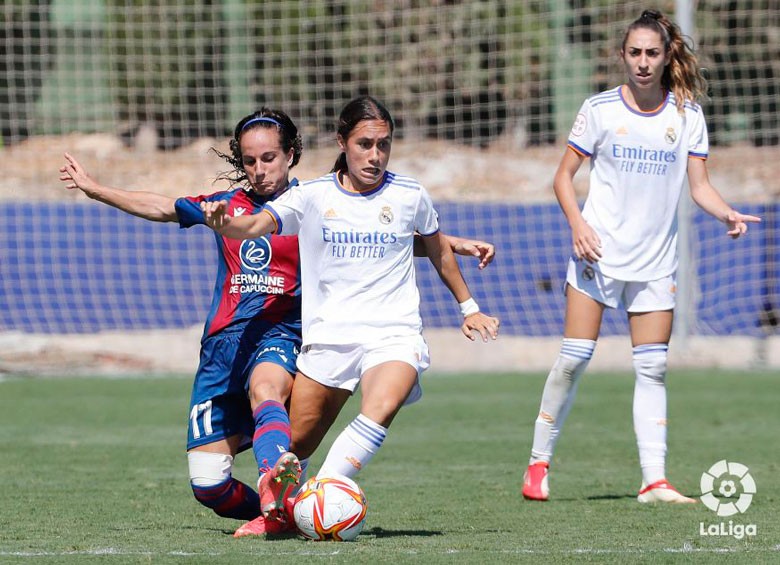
(219, 405)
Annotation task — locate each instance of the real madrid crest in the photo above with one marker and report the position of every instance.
(386, 215)
(670, 136)
(588, 273)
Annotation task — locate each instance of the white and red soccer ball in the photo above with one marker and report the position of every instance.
(330, 508)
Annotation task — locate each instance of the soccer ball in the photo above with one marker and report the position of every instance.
(330, 508)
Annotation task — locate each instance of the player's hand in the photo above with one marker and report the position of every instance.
(482, 250)
(586, 242)
(737, 223)
(75, 176)
(487, 326)
(215, 214)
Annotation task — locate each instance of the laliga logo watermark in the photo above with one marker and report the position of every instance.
(727, 488)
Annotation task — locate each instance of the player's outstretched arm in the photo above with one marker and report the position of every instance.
(709, 199)
(481, 250)
(440, 254)
(241, 227)
(147, 205)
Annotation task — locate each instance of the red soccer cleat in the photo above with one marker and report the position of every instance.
(535, 485)
(276, 486)
(260, 527)
(662, 491)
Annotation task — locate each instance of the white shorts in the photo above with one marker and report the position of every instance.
(633, 296)
(342, 366)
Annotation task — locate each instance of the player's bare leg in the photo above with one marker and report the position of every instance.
(384, 388)
(313, 409)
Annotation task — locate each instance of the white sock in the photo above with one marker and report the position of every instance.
(354, 447)
(650, 409)
(558, 396)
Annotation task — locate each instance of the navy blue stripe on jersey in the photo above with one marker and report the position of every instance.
(605, 97)
(276, 218)
(579, 149)
(437, 230)
(379, 187)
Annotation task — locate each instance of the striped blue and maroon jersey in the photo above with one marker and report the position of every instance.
(256, 278)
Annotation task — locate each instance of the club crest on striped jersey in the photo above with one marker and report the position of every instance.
(386, 215)
(580, 125)
(255, 253)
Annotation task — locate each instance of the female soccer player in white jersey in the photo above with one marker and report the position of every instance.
(361, 318)
(642, 138)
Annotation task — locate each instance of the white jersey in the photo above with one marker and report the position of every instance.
(357, 264)
(638, 168)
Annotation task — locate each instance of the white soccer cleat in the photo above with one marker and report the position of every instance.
(535, 485)
(662, 491)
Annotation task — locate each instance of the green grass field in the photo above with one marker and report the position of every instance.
(94, 468)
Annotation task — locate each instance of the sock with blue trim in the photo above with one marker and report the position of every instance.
(354, 447)
(650, 409)
(272, 434)
(558, 396)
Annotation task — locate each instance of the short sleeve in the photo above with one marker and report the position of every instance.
(584, 133)
(287, 210)
(699, 144)
(426, 220)
(188, 208)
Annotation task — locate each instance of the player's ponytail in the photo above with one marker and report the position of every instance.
(340, 164)
(358, 110)
(682, 75)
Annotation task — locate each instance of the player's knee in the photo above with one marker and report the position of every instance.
(208, 472)
(567, 370)
(261, 390)
(651, 367)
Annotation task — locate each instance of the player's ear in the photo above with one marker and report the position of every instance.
(340, 141)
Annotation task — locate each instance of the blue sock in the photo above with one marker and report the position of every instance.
(272, 434)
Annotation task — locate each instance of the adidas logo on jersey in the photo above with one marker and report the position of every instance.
(621, 131)
(330, 213)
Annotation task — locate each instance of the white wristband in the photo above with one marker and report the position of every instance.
(468, 307)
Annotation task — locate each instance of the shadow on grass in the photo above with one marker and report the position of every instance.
(382, 533)
(610, 496)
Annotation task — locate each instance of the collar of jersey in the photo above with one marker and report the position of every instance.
(648, 114)
(379, 187)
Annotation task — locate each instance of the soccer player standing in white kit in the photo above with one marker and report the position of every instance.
(642, 138)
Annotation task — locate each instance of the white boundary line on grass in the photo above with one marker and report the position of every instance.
(686, 549)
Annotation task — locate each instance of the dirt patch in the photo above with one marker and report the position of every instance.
(451, 172)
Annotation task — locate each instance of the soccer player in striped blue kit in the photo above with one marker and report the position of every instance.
(642, 138)
(252, 334)
(361, 319)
